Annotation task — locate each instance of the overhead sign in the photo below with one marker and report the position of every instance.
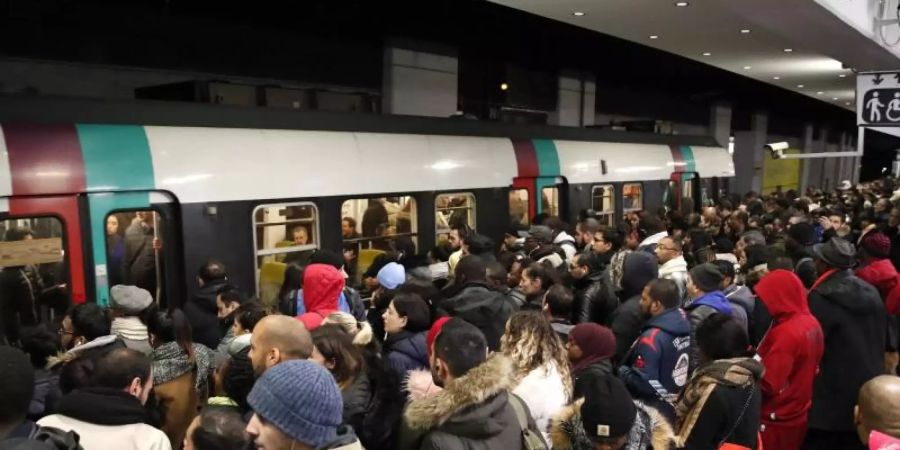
(878, 99)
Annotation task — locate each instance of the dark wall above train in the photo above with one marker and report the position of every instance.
(342, 43)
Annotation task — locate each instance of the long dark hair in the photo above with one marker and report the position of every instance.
(336, 345)
(173, 326)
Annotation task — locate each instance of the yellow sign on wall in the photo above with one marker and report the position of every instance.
(30, 251)
(785, 173)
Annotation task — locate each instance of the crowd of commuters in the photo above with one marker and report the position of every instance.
(760, 322)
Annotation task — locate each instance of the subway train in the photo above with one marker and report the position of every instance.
(255, 197)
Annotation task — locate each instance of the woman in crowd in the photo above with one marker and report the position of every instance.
(406, 321)
(590, 348)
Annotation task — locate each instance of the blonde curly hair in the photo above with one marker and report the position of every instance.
(361, 331)
(530, 342)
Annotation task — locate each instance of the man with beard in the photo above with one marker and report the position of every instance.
(656, 368)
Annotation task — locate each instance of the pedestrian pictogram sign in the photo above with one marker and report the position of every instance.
(878, 99)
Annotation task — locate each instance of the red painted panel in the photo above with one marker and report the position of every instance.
(66, 208)
(44, 159)
(526, 158)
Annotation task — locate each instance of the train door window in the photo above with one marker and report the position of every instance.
(550, 201)
(632, 197)
(284, 234)
(518, 206)
(379, 225)
(453, 210)
(603, 203)
(134, 248)
(32, 257)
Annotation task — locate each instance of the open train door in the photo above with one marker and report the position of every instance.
(684, 193)
(136, 240)
(530, 196)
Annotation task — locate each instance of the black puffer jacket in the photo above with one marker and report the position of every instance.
(589, 375)
(405, 351)
(201, 312)
(471, 413)
(595, 299)
(854, 323)
(357, 397)
(487, 309)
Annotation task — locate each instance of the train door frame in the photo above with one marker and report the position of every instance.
(535, 186)
(171, 285)
(679, 179)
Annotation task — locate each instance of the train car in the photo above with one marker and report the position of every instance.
(149, 204)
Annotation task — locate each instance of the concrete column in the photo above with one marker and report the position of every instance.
(759, 130)
(805, 174)
(419, 79)
(576, 100)
(720, 122)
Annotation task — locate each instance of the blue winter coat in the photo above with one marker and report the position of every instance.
(655, 369)
(406, 351)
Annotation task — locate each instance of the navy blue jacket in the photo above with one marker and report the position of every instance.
(406, 351)
(655, 369)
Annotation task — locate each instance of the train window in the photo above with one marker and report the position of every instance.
(518, 206)
(283, 233)
(603, 203)
(371, 226)
(453, 210)
(32, 256)
(550, 201)
(632, 197)
(134, 248)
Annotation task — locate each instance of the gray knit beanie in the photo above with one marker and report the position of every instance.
(301, 399)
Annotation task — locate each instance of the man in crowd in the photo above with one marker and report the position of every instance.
(595, 298)
(126, 305)
(111, 412)
(655, 369)
(201, 309)
(706, 299)
(558, 309)
(672, 265)
(877, 413)
(85, 331)
(853, 321)
(276, 339)
(651, 230)
(298, 406)
(639, 269)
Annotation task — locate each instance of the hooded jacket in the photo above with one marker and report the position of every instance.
(202, 313)
(741, 296)
(103, 416)
(405, 351)
(472, 412)
(595, 299)
(854, 324)
(322, 286)
(544, 391)
(676, 269)
(790, 351)
(650, 431)
(626, 320)
(566, 242)
(882, 274)
(656, 368)
(698, 310)
(487, 309)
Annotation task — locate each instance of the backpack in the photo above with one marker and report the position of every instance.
(531, 438)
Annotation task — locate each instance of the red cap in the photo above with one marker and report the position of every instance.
(433, 333)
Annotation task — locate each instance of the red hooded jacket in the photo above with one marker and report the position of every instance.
(322, 286)
(790, 351)
(882, 274)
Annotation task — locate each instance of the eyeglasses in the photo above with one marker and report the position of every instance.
(62, 331)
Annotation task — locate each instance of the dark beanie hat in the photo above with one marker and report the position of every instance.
(707, 277)
(608, 411)
(877, 244)
(803, 233)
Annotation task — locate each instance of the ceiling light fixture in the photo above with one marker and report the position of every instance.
(707, 54)
(745, 31)
(788, 50)
(820, 93)
(747, 67)
(800, 86)
(653, 36)
(682, 4)
(843, 75)
(847, 103)
(834, 98)
(776, 78)
(578, 13)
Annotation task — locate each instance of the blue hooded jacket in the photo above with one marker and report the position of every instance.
(715, 300)
(655, 369)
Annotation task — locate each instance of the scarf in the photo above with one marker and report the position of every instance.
(171, 362)
(102, 406)
(616, 264)
(738, 372)
(130, 328)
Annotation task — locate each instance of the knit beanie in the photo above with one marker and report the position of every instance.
(707, 277)
(803, 233)
(391, 276)
(877, 245)
(434, 332)
(301, 399)
(608, 412)
(594, 339)
(131, 300)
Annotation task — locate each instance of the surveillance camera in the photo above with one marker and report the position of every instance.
(777, 149)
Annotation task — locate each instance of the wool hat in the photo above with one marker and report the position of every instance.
(434, 332)
(301, 399)
(707, 277)
(608, 412)
(803, 233)
(877, 244)
(541, 233)
(131, 300)
(391, 276)
(837, 253)
(595, 339)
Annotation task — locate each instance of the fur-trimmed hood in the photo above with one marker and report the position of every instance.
(650, 427)
(492, 377)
